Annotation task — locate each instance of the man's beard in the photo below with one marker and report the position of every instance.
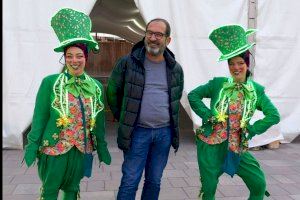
(154, 51)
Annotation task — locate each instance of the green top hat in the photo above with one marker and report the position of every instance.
(231, 40)
(72, 27)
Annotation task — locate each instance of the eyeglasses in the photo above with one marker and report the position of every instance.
(157, 35)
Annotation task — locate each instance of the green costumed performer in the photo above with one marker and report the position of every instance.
(222, 140)
(68, 122)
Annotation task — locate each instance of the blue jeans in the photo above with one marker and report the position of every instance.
(150, 151)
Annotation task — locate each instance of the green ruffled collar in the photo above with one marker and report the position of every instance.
(80, 85)
(229, 92)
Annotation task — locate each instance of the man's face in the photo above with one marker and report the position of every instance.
(156, 40)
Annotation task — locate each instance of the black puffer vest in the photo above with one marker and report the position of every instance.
(125, 93)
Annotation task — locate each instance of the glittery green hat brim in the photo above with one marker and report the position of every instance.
(236, 52)
(91, 44)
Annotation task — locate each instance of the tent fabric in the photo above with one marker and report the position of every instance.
(28, 56)
(277, 61)
(277, 50)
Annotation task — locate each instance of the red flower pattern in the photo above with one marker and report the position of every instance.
(219, 133)
(74, 134)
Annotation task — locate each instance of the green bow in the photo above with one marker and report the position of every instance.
(77, 86)
(232, 89)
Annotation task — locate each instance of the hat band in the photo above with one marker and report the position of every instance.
(74, 39)
(236, 52)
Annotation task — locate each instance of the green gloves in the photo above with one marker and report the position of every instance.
(104, 155)
(30, 155)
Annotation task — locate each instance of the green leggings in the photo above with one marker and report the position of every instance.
(63, 172)
(210, 160)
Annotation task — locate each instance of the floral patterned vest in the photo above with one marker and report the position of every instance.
(78, 110)
(219, 133)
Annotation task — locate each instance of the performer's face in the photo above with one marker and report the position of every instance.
(75, 61)
(238, 69)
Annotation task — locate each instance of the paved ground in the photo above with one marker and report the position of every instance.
(180, 180)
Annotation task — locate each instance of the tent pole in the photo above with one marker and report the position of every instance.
(252, 23)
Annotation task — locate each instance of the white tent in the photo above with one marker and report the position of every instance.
(28, 55)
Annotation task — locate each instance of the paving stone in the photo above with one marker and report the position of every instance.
(177, 158)
(169, 166)
(17, 157)
(296, 168)
(192, 172)
(111, 185)
(27, 189)
(165, 183)
(271, 181)
(31, 178)
(10, 152)
(279, 170)
(192, 181)
(233, 190)
(21, 197)
(7, 179)
(12, 171)
(172, 194)
(277, 163)
(281, 197)
(179, 166)
(83, 186)
(294, 177)
(191, 199)
(116, 175)
(226, 180)
(219, 193)
(190, 158)
(114, 168)
(295, 197)
(98, 174)
(31, 171)
(105, 195)
(11, 163)
(237, 180)
(138, 194)
(192, 192)
(276, 190)
(293, 189)
(180, 179)
(93, 186)
(192, 165)
(232, 198)
(174, 173)
(282, 179)
(8, 189)
(177, 182)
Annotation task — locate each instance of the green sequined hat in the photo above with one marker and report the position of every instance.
(231, 40)
(72, 27)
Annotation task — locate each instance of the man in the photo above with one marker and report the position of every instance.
(144, 93)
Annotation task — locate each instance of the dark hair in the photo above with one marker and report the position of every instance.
(168, 28)
(81, 46)
(246, 57)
